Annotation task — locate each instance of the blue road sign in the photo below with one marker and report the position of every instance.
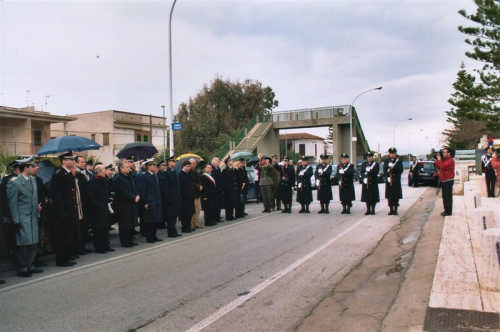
(177, 126)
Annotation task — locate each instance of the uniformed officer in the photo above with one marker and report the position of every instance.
(287, 181)
(489, 171)
(393, 167)
(266, 183)
(9, 231)
(369, 192)
(151, 197)
(304, 190)
(324, 183)
(22, 195)
(345, 176)
(227, 182)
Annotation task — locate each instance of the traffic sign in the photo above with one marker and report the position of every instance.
(177, 126)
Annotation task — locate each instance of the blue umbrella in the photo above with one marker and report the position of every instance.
(68, 143)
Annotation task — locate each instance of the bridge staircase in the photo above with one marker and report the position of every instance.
(252, 138)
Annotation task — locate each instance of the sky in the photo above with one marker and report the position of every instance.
(90, 56)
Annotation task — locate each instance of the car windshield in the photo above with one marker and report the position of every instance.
(428, 167)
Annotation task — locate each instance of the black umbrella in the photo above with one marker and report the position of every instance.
(45, 171)
(253, 161)
(137, 151)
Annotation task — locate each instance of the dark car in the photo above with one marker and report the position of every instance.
(425, 173)
(253, 194)
(381, 176)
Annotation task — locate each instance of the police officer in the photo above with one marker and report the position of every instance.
(151, 198)
(22, 195)
(345, 176)
(171, 203)
(227, 182)
(489, 171)
(369, 192)
(304, 190)
(287, 181)
(393, 167)
(323, 178)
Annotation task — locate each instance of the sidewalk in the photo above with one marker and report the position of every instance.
(389, 290)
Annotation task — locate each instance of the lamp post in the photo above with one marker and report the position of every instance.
(164, 130)
(171, 110)
(350, 118)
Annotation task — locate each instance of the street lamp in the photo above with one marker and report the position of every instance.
(350, 118)
(171, 110)
(164, 136)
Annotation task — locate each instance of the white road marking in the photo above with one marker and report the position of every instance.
(266, 283)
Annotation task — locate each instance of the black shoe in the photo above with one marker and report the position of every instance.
(443, 214)
(36, 270)
(134, 244)
(24, 274)
(39, 263)
(245, 214)
(186, 231)
(368, 213)
(266, 211)
(327, 212)
(110, 249)
(157, 239)
(2, 282)
(66, 264)
(321, 211)
(348, 211)
(127, 245)
(284, 211)
(302, 211)
(174, 235)
(81, 252)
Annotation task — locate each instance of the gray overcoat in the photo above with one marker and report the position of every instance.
(23, 203)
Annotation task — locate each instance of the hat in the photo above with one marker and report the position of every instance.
(369, 154)
(392, 150)
(14, 164)
(162, 162)
(149, 161)
(98, 163)
(185, 163)
(110, 166)
(268, 158)
(66, 156)
(171, 158)
(26, 161)
(90, 162)
(323, 157)
(344, 155)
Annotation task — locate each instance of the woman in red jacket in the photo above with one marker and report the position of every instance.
(446, 166)
(495, 163)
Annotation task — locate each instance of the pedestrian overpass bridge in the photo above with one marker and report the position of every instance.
(263, 137)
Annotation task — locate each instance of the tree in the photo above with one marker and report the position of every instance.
(465, 101)
(484, 38)
(218, 112)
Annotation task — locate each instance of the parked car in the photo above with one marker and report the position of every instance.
(335, 180)
(381, 176)
(426, 174)
(313, 177)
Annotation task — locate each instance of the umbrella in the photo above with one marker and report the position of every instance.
(186, 156)
(253, 161)
(242, 154)
(45, 171)
(137, 151)
(68, 143)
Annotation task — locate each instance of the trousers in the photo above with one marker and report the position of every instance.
(26, 257)
(447, 194)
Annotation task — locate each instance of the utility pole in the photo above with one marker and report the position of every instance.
(164, 133)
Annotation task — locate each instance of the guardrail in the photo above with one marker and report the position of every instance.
(318, 113)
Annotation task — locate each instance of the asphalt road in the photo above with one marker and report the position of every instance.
(264, 273)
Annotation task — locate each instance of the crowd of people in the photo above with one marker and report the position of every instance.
(83, 200)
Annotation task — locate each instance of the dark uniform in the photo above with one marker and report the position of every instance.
(277, 201)
(209, 199)
(369, 192)
(125, 206)
(227, 182)
(345, 175)
(242, 181)
(187, 200)
(171, 202)
(152, 216)
(98, 198)
(489, 174)
(217, 176)
(413, 176)
(64, 212)
(83, 227)
(285, 192)
(392, 172)
(323, 176)
(304, 190)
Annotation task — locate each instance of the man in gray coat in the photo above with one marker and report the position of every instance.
(25, 210)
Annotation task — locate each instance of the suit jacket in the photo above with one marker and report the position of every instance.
(151, 196)
(124, 200)
(209, 193)
(169, 188)
(186, 193)
(98, 195)
(63, 204)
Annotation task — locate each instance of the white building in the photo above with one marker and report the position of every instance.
(305, 144)
(112, 130)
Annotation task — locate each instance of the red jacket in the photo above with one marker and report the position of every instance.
(446, 169)
(495, 162)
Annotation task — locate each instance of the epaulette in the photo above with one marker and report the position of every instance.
(12, 179)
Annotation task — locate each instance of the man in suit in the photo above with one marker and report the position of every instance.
(304, 190)
(275, 163)
(267, 182)
(169, 188)
(89, 169)
(125, 201)
(208, 195)
(25, 210)
(187, 196)
(217, 176)
(64, 211)
(151, 196)
(369, 192)
(241, 188)
(393, 168)
(345, 176)
(287, 181)
(83, 179)
(489, 171)
(98, 195)
(227, 182)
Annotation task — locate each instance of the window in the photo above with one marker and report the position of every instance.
(146, 138)
(92, 137)
(315, 150)
(138, 137)
(105, 139)
(37, 137)
(302, 149)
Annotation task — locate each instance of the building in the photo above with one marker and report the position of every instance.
(112, 130)
(23, 131)
(305, 144)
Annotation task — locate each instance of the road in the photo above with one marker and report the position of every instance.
(264, 273)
